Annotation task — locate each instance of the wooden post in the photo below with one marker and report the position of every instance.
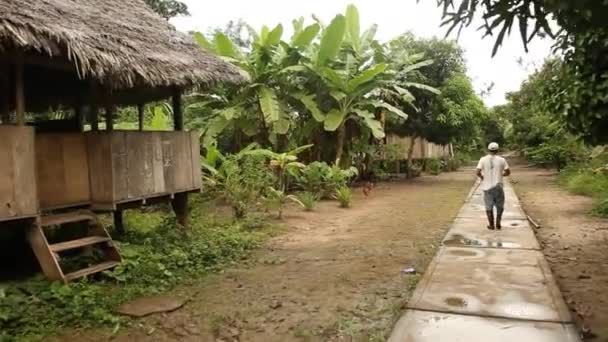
(79, 116)
(178, 116)
(110, 109)
(4, 93)
(140, 116)
(119, 222)
(94, 118)
(19, 94)
(180, 201)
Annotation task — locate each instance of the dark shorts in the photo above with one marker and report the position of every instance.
(494, 197)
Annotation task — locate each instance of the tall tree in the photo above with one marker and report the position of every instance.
(168, 8)
(579, 93)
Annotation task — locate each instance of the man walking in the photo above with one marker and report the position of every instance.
(491, 170)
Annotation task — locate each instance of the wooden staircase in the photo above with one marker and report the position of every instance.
(49, 255)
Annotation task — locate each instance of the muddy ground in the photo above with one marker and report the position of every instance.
(574, 243)
(334, 275)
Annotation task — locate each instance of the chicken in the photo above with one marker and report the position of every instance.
(367, 188)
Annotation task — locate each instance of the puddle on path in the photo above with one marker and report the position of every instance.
(460, 252)
(456, 240)
(456, 301)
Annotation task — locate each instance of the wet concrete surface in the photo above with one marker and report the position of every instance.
(487, 285)
(425, 326)
(472, 232)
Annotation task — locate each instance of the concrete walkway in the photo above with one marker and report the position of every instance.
(487, 285)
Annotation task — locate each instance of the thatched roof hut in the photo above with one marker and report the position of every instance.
(121, 47)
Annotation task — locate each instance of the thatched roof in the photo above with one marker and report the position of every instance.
(121, 44)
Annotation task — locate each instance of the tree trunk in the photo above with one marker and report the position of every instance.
(410, 153)
(340, 135)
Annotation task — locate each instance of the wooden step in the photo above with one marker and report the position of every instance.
(73, 244)
(58, 219)
(91, 269)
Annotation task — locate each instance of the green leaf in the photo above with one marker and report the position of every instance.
(274, 36)
(332, 39)
(337, 95)
(224, 46)
(214, 128)
(333, 78)
(417, 66)
(202, 42)
(353, 27)
(334, 119)
(368, 37)
(370, 121)
(269, 104)
(299, 149)
(366, 76)
(229, 113)
(281, 126)
(305, 38)
(392, 109)
(423, 87)
(310, 104)
(249, 127)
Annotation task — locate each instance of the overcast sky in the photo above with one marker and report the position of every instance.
(393, 18)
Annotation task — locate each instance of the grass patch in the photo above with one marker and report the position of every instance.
(157, 255)
(585, 179)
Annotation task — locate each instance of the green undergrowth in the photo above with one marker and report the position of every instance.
(589, 178)
(157, 255)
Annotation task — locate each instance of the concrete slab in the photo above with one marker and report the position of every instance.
(514, 257)
(488, 285)
(471, 232)
(422, 326)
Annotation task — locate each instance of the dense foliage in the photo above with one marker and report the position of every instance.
(333, 86)
(578, 88)
(168, 8)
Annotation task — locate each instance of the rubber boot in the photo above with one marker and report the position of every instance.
(499, 218)
(490, 214)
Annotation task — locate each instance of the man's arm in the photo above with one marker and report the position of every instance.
(479, 167)
(507, 170)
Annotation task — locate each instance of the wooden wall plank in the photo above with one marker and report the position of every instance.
(168, 161)
(120, 164)
(196, 160)
(7, 174)
(18, 195)
(158, 172)
(101, 175)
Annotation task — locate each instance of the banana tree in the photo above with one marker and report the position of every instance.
(258, 109)
(354, 80)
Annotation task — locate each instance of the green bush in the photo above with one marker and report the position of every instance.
(434, 166)
(156, 253)
(589, 178)
(344, 195)
(309, 200)
(322, 179)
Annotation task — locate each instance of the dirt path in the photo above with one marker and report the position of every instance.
(334, 275)
(574, 244)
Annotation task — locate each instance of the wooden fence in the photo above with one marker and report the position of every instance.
(423, 149)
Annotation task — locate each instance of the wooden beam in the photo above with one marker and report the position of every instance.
(178, 116)
(140, 116)
(110, 109)
(19, 94)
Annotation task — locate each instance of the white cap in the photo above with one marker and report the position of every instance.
(493, 146)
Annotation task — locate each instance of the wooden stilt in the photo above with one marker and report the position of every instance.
(110, 109)
(119, 222)
(19, 94)
(140, 116)
(180, 201)
(180, 207)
